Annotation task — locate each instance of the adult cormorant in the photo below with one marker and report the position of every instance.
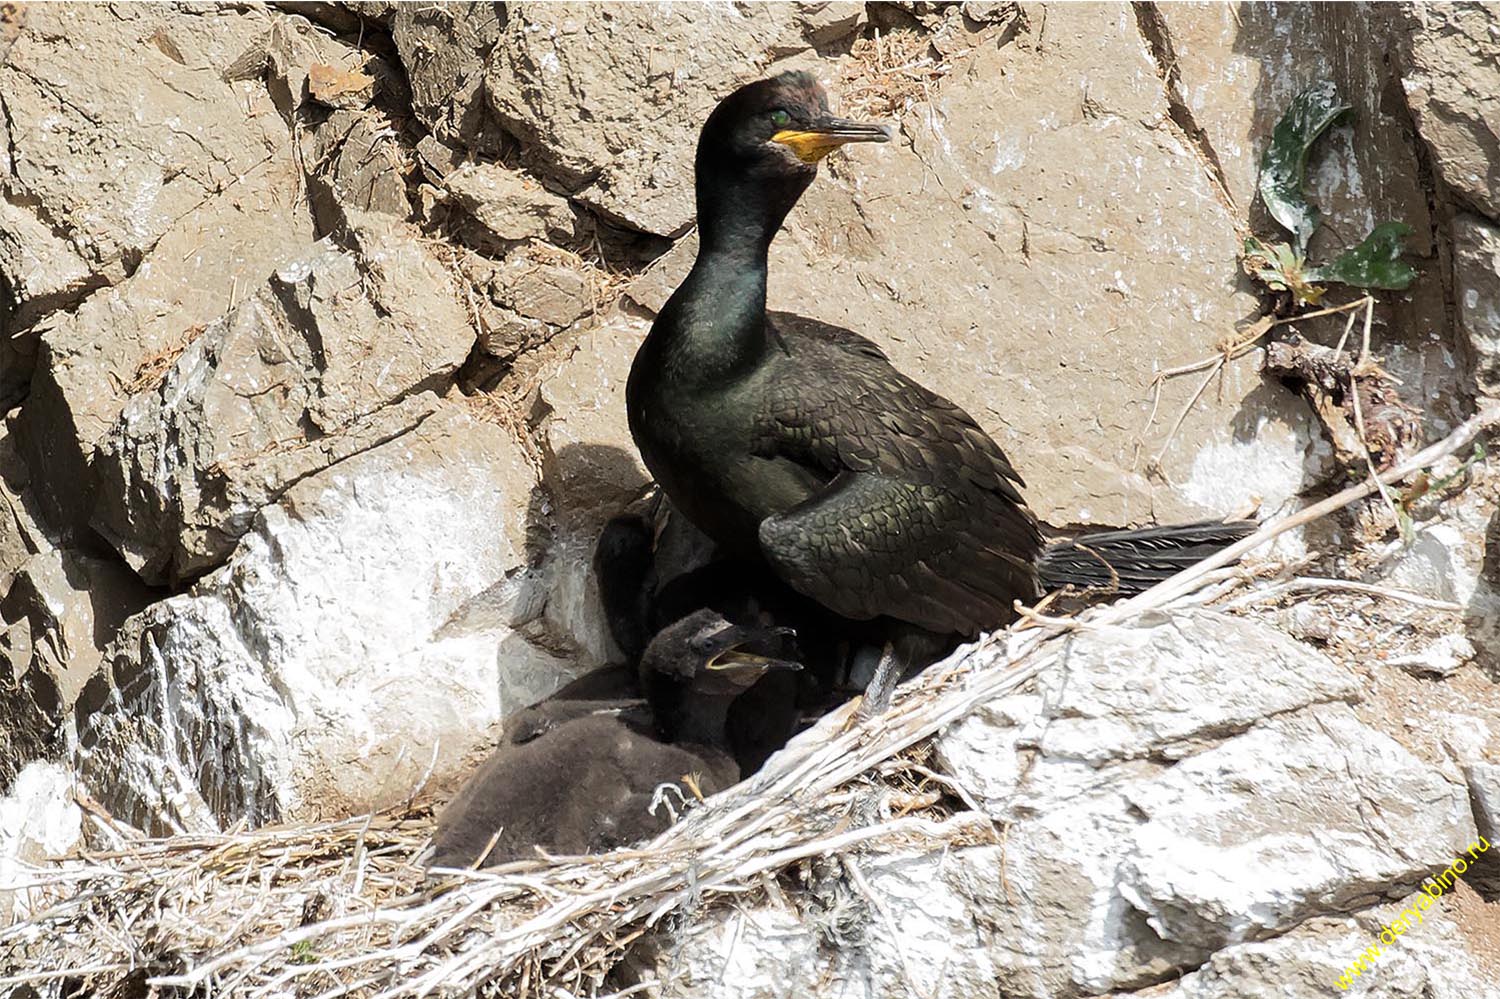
(796, 443)
(585, 783)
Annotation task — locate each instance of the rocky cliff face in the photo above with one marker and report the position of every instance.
(314, 324)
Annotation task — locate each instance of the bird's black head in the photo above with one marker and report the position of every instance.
(777, 127)
(713, 657)
(695, 668)
(761, 146)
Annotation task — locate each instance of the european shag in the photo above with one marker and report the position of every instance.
(585, 784)
(798, 444)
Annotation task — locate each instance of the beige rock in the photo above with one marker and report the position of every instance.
(117, 166)
(328, 360)
(59, 608)
(72, 604)
(509, 205)
(360, 169)
(444, 48)
(529, 297)
(97, 170)
(293, 52)
(1235, 70)
(348, 89)
(616, 121)
(120, 339)
(21, 536)
(591, 468)
(40, 269)
(1231, 72)
(1451, 77)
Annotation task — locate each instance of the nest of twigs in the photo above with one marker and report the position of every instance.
(339, 909)
(888, 74)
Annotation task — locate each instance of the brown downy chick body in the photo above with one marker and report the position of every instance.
(586, 784)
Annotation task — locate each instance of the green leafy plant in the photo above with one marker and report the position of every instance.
(1375, 263)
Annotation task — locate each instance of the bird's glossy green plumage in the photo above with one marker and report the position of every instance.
(798, 443)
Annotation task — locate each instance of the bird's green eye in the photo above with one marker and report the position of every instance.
(780, 119)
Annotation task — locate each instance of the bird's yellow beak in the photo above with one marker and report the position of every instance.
(827, 134)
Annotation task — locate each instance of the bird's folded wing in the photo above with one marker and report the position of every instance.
(870, 544)
(921, 518)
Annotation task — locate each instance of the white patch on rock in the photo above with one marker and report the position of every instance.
(1302, 813)
(365, 629)
(38, 819)
(1439, 563)
(1271, 465)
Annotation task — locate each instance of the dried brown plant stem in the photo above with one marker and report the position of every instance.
(1362, 367)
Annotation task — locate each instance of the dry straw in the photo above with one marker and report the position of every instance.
(338, 909)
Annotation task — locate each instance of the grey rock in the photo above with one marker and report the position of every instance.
(986, 751)
(1484, 790)
(591, 467)
(1165, 689)
(1158, 692)
(328, 360)
(1214, 863)
(373, 624)
(1231, 795)
(1442, 562)
(905, 925)
(1441, 657)
(1313, 960)
(1476, 274)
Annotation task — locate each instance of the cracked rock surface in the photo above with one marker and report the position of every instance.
(315, 320)
(1119, 870)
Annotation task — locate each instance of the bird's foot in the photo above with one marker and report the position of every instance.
(882, 686)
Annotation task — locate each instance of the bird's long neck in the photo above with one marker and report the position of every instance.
(704, 721)
(715, 323)
(685, 715)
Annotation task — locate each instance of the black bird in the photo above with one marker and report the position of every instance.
(585, 784)
(641, 597)
(797, 444)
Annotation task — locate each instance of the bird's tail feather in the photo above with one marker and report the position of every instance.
(1128, 562)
